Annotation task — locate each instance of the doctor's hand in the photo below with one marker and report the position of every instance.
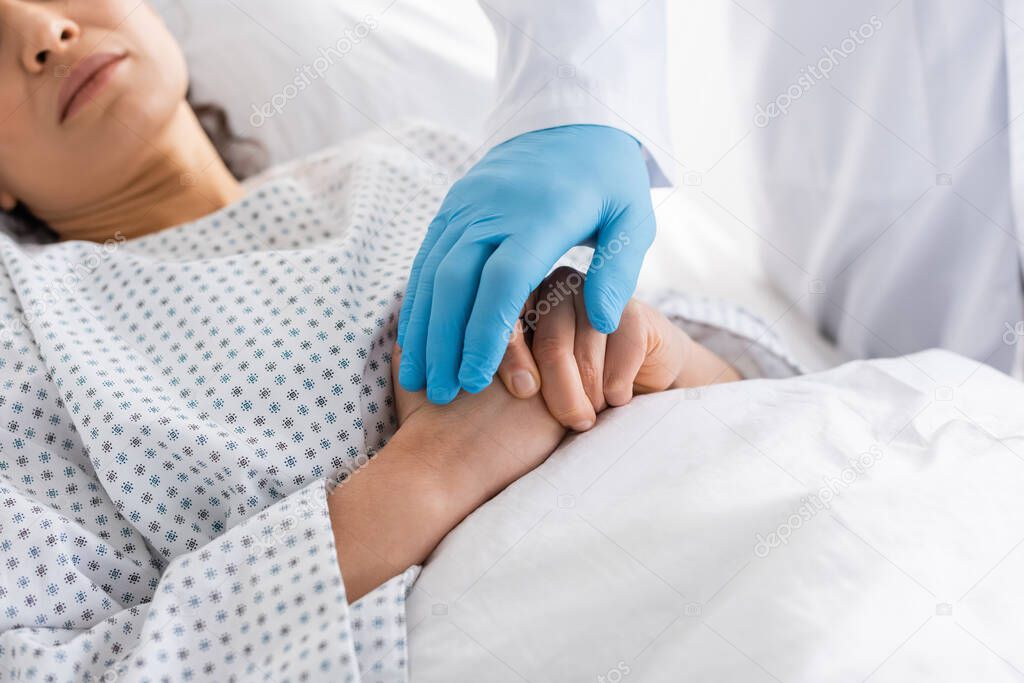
(580, 371)
(501, 229)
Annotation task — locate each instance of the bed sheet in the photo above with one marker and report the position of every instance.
(863, 523)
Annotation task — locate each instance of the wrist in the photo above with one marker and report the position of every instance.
(701, 366)
(446, 451)
(479, 444)
(391, 514)
(433, 458)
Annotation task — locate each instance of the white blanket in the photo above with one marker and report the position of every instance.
(864, 523)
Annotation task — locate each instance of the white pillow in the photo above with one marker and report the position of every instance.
(302, 75)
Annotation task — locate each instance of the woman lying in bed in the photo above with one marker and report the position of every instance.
(190, 370)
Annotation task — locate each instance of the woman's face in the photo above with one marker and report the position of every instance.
(86, 88)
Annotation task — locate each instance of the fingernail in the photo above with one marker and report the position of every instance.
(524, 383)
(583, 426)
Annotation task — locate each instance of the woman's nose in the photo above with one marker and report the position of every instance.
(46, 36)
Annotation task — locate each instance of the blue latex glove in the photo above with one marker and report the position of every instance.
(498, 233)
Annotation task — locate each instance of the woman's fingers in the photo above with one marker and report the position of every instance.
(589, 349)
(518, 372)
(554, 319)
(625, 353)
(581, 371)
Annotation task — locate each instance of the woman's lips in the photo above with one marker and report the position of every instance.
(84, 82)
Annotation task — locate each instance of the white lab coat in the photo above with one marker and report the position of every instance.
(580, 61)
(887, 192)
(890, 191)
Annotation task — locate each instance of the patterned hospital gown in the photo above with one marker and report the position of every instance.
(174, 408)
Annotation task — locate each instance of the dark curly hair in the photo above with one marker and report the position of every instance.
(243, 156)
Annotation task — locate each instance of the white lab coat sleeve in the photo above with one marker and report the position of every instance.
(263, 601)
(583, 62)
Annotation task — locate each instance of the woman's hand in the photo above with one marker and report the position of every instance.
(492, 437)
(441, 464)
(580, 371)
